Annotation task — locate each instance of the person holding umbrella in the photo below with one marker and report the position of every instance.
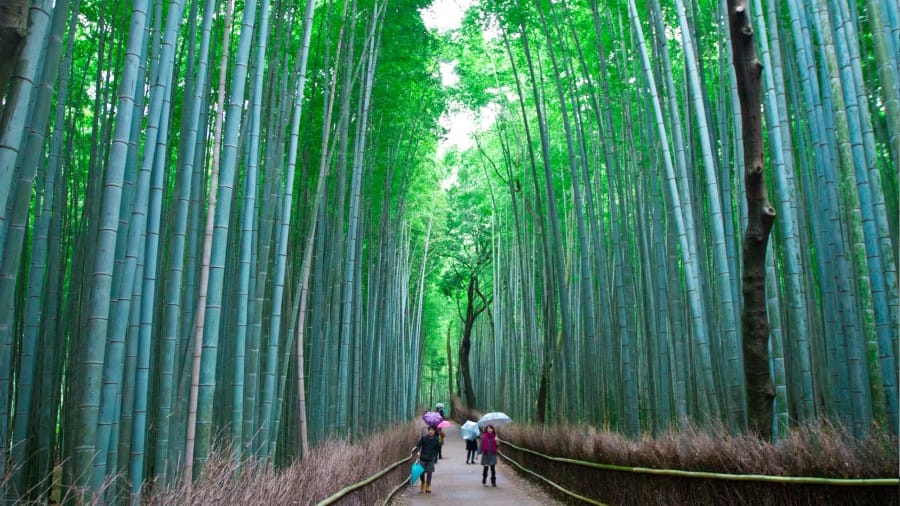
(440, 431)
(489, 455)
(427, 450)
(471, 448)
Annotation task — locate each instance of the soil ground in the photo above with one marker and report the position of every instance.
(455, 482)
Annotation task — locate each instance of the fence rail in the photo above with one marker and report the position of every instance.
(649, 485)
(880, 482)
(342, 493)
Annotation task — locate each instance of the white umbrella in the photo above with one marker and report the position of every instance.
(469, 430)
(495, 418)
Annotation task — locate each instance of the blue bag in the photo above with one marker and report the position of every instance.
(416, 472)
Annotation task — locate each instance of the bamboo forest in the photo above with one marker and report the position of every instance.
(255, 224)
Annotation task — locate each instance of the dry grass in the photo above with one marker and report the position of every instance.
(820, 450)
(329, 468)
(459, 412)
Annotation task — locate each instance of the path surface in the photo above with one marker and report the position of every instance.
(455, 482)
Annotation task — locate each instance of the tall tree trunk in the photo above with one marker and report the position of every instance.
(865, 396)
(796, 331)
(20, 207)
(175, 277)
(538, 223)
(90, 363)
(465, 344)
(350, 334)
(760, 216)
(16, 107)
(572, 379)
(194, 404)
(13, 21)
(449, 362)
(556, 246)
(249, 231)
(721, 286)
(707, 402)
(308, 248)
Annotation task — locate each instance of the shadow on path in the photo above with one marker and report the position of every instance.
(455, 482)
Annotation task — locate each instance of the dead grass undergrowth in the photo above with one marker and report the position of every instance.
(460, 413)
(329, 468)
(820, 450)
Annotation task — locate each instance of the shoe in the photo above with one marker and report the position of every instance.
(484, 481)
(493, 482)
(422, 487)
(427, 489)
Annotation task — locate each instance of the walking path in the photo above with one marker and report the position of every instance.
(455, 482)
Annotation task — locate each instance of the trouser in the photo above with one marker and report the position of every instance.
(426, 476)
(470, 456)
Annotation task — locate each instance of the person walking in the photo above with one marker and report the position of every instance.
(489, 455)
(427, 450)
(471, 448)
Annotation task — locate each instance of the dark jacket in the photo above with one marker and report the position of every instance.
(428, 447)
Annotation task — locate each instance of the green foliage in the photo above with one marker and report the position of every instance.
(475, 61)
(465, 244)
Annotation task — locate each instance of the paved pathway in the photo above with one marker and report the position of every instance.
(455, 482)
